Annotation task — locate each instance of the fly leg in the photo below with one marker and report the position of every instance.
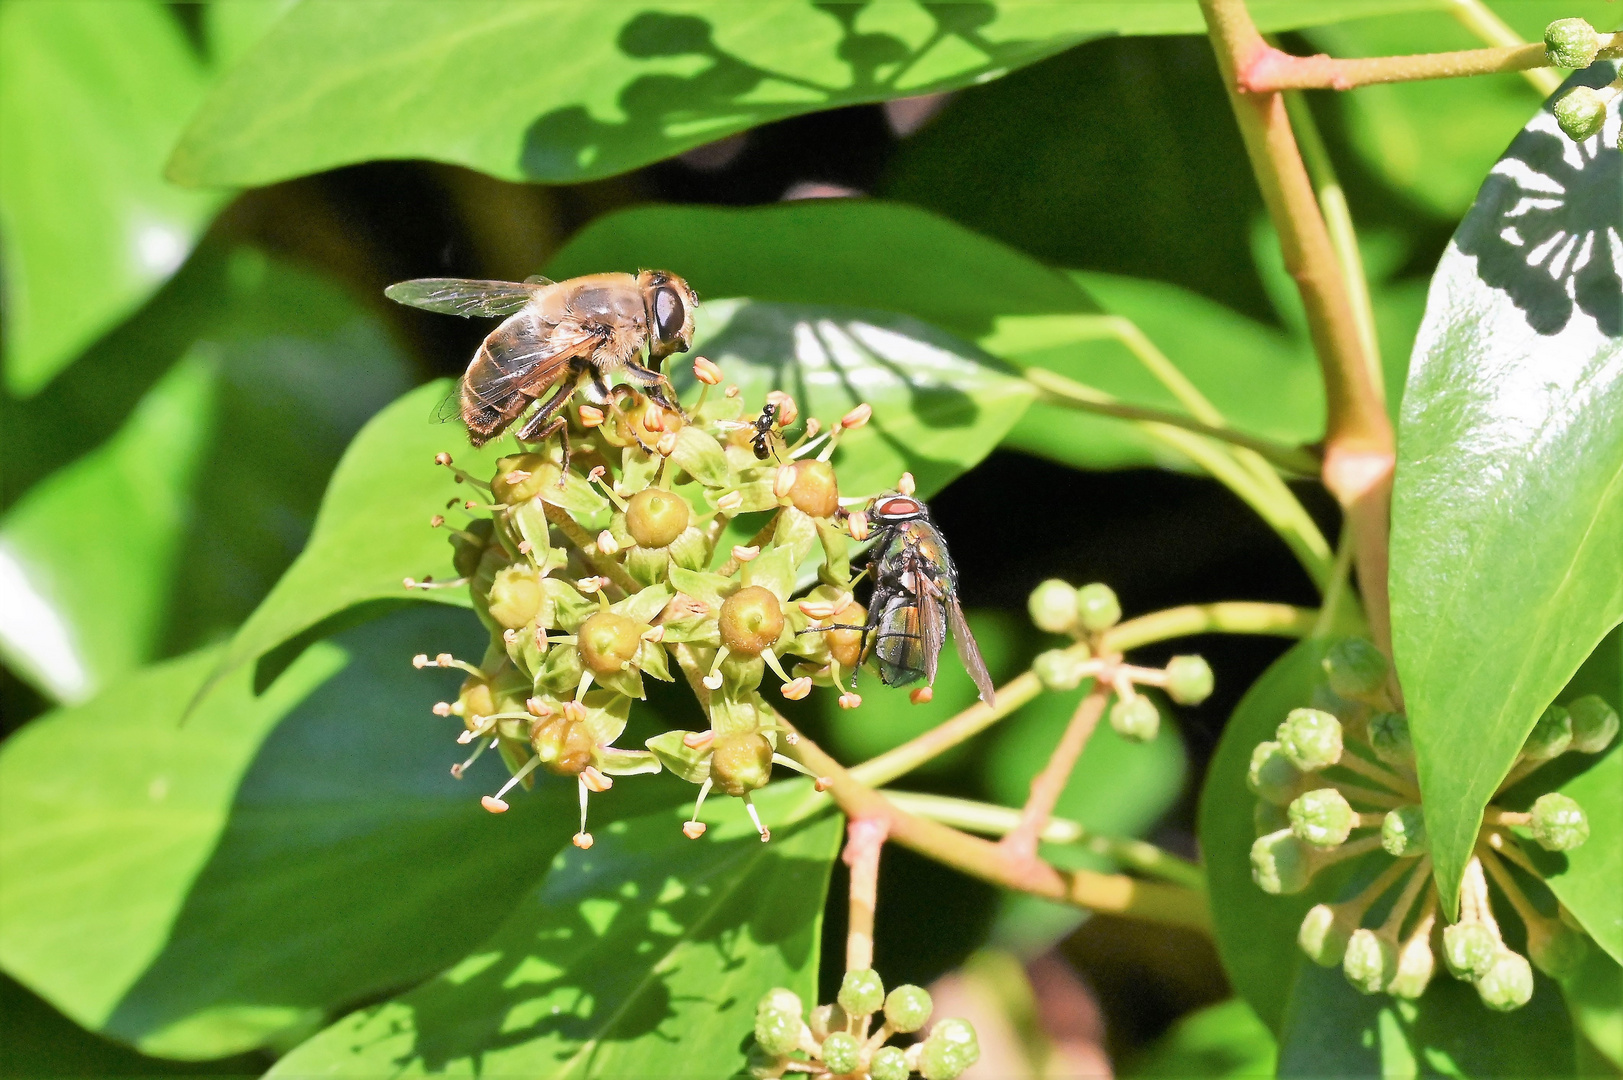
(548, 421)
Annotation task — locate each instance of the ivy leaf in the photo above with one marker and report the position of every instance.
(622, 950)
(1507, 518)
(1218, 1041)
(566, 92)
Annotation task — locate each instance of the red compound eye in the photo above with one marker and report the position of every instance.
(898, 508)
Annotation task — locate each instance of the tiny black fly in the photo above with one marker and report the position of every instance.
(764, 427)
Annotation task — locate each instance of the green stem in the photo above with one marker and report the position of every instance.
(1489, 28)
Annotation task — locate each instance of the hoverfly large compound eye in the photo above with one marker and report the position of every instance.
(669, 314)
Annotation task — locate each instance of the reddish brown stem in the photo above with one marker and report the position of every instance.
(865, 836)
(1271, 70)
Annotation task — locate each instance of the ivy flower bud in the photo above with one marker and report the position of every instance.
(751, 620)
(520, 478)
(1280, 863)
(1311, 738)
(1355, 669)
(889, 1063)
(825, 1019)
(777, 1031)
(1551, 735)
(1416, 966)
(515, 595)
(862, 993)
(607, 642)
(908, 1007)
(1136, 719)
(1097, 607)
(1580, 112)
(1594, 724)
(780, 998)
(815, 491)
(741, 763)
(1189, 679)
(950, 1049)
(1053, 606)
(656, 517)
(841, 1053)
(1559, 823)
(1370, 961)
(1389, 737)
(1272, 775)
(1059, 669)
(1403, 831)
(1508, 983)
(1571, 43)
(1324, 934)
(1322, 818)
(1469, 949)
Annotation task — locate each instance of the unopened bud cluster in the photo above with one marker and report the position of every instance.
(601, 570)
(1573, 43)
(1086, 614)
(1338, 782)
(836, 1040)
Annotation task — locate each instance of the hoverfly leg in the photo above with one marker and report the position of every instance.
(654, 385)
(547, 422)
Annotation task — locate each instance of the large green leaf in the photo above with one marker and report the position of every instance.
(1595, 996)
(562, 92)
(92, 97)
(200, 887)
(1220, 1041)
(1507, 517)
(643, 956)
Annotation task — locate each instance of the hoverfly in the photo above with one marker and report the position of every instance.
(562, 334)
(763, 427)
(915, 598)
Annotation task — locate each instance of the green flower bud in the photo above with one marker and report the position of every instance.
(950, 1049)
(1556, 948)
(1416, 966)
(1403, 831)
(1580, 112)
(1053, 606)
(888, 1063)
(862, 993)
(520, 478)
(841, 1053)
(827, 1018)
(1267, 817)
(777, 1030)
(751, 620)
(1370, 961)
(1136, 719)
(1322, 818)
(1469, 949)
(782, 999)
(1355, 669)
(1508, 983)
(1280, 864)
(515, 595)
(1559, 823)
(1189, 679)
(656, 517)
(1571, 43)
(741, 763)
(1551, 735)
(816, 491)
(1272, 775)
(1097, 607)
(1324, 934)
(1594, 724)
(1310, 738)
(1059, 669)
(607, 642)
(908, 1007)
(1389, 736)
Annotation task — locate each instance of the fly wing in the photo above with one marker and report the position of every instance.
(932, 629)
(468, 297)
(968, 651)
(523, 354)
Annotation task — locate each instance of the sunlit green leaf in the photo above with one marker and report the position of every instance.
(1219, 1041)
(643, 956)
(92, 97)
(1595, 996)
(1506, 518)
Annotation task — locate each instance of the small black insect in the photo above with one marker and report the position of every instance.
(764, 427)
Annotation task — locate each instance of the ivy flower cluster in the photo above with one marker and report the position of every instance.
(1338, 781)
(1573, 43)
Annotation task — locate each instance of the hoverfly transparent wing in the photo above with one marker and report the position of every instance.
(468, 297)
(522, 354)
(537, 279)
(968, 651)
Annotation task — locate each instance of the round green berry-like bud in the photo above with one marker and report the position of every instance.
(1580, 112)
(816, 490)
(1370, 961)
(1556, 948)
(841, 1053)
(656, 517)
(1403, 831)
(782, 999)
(1571, 43)
(1416, 966)
(564, 746)
(520, 478)
(1551, 735)
(751, 620)
(862, 993)
(1053, 606)
(741, 762)
(1508, 983)
(1311, 738)
(1060, 669)
(1280, 864)
(827, 1018)
(1559, 823)
(1322, 818)
(1189, 679)
(1594, 723)
(777, 1030)
(908, 1007)
(1136, 719)
(950, 1049)
(1272, 775)
(515, 595)
(607, 642)
(1355, 669)
(1469, 949)
(1389, 737)
(1323, 935)
(1267, 817)
(1097, 607)
(889, 1063)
